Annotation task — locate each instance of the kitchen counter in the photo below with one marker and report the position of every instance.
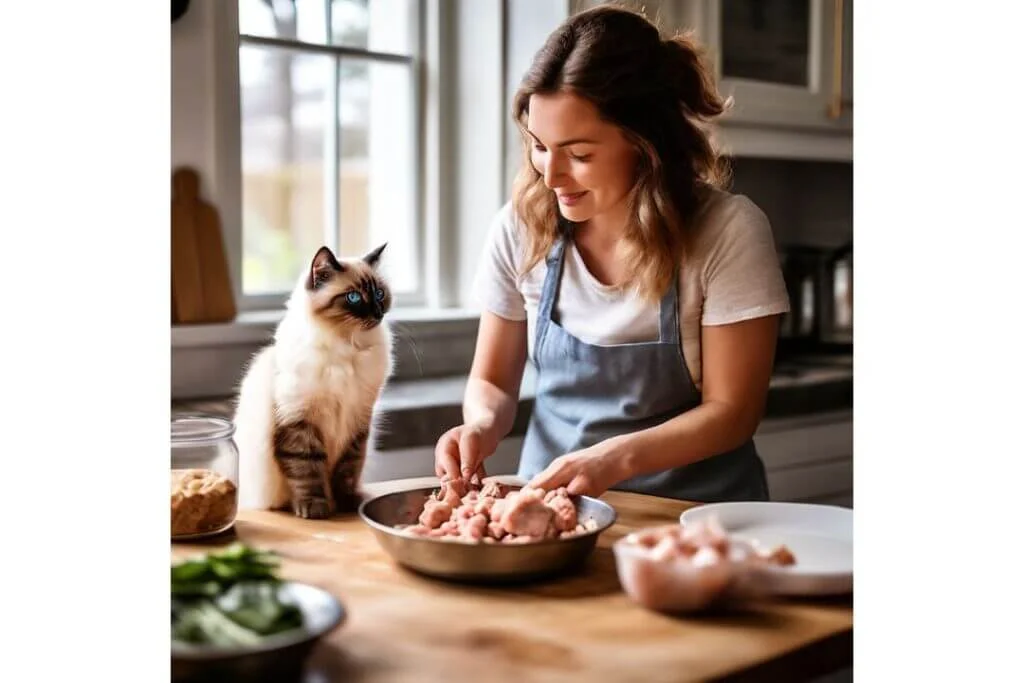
(404, 627)
(416, 412)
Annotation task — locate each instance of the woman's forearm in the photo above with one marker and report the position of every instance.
(709, 429)
(489, 407)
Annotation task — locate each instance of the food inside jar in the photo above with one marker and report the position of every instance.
(202, 501)
(494, 513)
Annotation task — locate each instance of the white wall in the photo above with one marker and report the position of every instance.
(192, 131)
(478, 139)
(202, 124)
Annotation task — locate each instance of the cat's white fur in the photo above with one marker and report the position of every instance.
(307, 371)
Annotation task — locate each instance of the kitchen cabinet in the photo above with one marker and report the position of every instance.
(787, 64)
(781, 60)
(809, 459)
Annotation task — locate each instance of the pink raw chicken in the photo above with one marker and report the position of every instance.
(493, 513)
(527, 515)
(680, 569)
(435, 512)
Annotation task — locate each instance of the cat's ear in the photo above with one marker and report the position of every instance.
(374, 256)
(323, 267)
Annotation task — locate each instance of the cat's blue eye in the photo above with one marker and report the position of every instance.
(379, 295)
(354, 297)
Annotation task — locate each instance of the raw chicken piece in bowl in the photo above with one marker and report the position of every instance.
(676, 569)
(496, 533)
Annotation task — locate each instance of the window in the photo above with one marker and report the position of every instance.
(329, 141)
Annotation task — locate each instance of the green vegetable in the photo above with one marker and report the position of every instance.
(260, 607)
(195, 588)
(237, 562)
(230, 598)
(204, 623)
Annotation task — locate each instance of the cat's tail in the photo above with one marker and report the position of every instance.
(261, 485)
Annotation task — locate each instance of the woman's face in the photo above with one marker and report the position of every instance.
(586, 162)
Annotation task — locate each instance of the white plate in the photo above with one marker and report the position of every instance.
(820, 536)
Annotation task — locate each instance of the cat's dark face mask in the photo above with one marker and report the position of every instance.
(351, 294)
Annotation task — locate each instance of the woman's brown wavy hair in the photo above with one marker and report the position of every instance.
(660, 93)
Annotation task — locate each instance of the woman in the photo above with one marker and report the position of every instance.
(647, 297)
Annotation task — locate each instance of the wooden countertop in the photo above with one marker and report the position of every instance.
(404, 627)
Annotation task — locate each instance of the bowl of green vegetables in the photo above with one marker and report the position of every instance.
(233, 616)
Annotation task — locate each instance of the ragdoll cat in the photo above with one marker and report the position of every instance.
(306, 402)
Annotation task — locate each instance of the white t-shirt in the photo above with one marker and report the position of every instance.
(732, 273)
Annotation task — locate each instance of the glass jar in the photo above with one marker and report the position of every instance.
(204, 476)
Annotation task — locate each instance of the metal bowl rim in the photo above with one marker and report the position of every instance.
(391, 531)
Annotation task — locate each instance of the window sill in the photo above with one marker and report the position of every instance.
(209, 360)
(257, 327)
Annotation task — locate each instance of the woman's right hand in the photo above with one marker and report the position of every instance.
(461, 451)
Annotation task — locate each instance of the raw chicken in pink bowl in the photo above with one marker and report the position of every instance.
(676, 568)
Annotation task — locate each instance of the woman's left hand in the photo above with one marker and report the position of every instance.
(589, 471)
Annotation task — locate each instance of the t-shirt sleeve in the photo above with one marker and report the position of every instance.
(496, 282)
(742, 275)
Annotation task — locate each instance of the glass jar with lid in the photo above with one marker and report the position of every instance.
(204, 476)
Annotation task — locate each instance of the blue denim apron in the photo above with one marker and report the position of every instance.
(588, 393)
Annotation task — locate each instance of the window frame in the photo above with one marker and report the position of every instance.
(226, 99)
(461, 183)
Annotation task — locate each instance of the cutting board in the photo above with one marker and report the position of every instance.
(200, 277)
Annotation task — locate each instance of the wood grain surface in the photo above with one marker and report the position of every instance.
(405, 627)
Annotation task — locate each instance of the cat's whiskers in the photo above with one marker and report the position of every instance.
(401, 333)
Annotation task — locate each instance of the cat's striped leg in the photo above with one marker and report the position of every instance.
(345, 478)
(300, 453)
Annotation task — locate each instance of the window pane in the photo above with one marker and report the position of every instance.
(378, 25)
(304, 20)
(285, 104)
(766, 40)
(378, 161)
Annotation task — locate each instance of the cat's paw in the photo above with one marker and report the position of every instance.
(314, 508)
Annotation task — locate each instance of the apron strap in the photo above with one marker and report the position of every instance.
(549, 294)
(668, 315)
(668, 324)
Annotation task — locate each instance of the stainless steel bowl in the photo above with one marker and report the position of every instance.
(478, 562)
